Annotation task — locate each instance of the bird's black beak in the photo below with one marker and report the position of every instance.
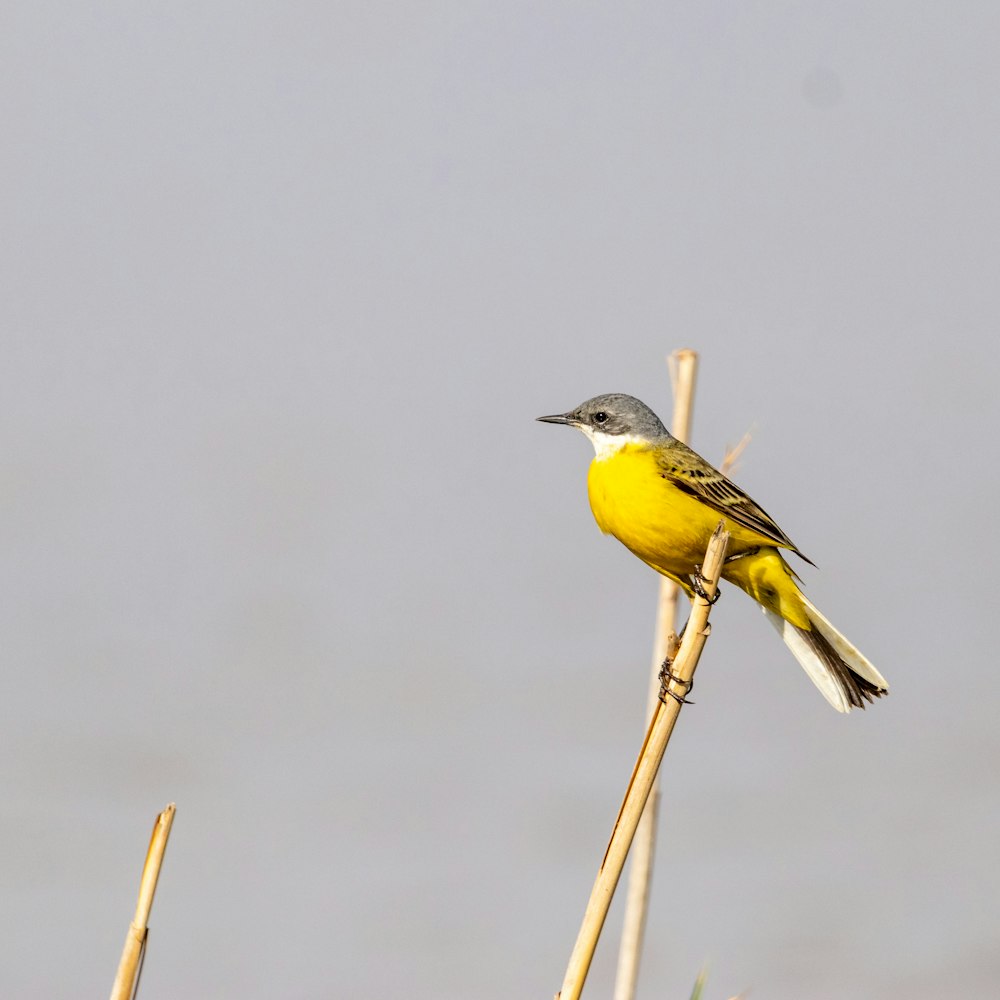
(557, 418)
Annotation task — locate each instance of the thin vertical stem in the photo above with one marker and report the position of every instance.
(135, 938)
(683, 367)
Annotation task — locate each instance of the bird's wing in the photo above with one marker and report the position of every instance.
(691, 474)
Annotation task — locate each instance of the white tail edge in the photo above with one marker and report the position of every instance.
(842, 673)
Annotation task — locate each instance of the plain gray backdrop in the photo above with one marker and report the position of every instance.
(283, 288)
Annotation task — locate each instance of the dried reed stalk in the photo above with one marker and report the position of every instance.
(135, 938)
(644, 774)
(683, 368)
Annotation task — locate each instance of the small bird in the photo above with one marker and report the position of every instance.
(662, 501)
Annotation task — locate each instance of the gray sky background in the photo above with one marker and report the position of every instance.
(283, 288)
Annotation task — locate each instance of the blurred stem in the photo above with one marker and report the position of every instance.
(135, 938)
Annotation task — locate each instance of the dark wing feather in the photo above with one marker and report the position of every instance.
(691, 474)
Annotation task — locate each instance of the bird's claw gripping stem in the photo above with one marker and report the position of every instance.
(698, 581)
(668, 677)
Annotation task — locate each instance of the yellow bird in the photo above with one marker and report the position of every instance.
(662, 501)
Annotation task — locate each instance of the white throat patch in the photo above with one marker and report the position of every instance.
(608, 445)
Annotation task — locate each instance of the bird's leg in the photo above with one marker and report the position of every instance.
(743, 554)
(697, 585)
(668, 677)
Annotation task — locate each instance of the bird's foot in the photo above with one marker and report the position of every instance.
(667, 678)
(743, 554)
(698, 581)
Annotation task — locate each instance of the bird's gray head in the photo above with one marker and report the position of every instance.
(613, 420)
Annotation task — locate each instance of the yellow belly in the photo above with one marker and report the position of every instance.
(669, 530)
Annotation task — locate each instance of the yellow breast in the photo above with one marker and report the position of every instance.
(648, 514)
(669, 530)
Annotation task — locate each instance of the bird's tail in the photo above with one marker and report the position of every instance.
(837, 668)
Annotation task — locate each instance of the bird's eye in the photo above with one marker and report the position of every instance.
(600, 417)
